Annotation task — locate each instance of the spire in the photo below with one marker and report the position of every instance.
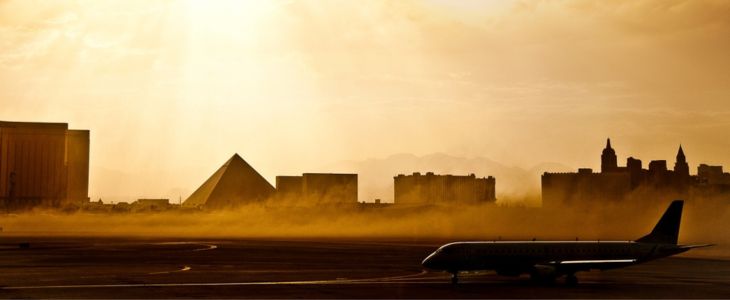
(680, 166)
(608, 158)
(680, 154)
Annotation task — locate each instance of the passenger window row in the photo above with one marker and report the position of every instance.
(517, 251)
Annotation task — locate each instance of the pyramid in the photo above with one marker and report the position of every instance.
(235, 183)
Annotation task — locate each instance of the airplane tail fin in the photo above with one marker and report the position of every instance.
(666, 230)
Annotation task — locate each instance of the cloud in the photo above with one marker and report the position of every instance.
(650, 18)
(368, 79)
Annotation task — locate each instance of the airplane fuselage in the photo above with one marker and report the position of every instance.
(558, 257)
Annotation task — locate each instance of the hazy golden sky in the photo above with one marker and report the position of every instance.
(171, 89)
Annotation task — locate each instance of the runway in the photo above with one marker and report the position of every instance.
(155, 268)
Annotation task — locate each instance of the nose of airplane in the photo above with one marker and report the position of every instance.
(426, 262)
(429, 262)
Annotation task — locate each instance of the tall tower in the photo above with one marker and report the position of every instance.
(608, 158)
(681, 168)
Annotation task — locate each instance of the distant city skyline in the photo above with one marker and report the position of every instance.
(636, 181)
(170, 89)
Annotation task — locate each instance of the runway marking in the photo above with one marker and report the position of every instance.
(381, 280)
(184, 268)
(368, 281)
(402, 277)
(209, 247)
(312, 282)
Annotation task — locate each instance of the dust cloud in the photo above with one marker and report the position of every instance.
(702, 223)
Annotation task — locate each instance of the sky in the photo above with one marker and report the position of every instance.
(171, 89)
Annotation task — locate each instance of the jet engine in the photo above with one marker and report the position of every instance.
(543, 272)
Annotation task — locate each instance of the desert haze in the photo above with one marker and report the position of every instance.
(170, 89)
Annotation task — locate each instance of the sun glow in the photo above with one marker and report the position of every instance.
(470, 8)
(230, 12)
(171, 88)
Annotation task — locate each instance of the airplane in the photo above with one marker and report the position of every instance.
(545, 261)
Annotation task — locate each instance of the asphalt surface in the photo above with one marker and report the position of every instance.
(165, 268)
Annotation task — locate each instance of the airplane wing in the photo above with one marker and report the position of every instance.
(605, 264)
(602, 264)
(695, 246)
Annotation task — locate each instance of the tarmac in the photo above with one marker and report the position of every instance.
(239, 268)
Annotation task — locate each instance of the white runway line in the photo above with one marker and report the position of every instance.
(183, 269)
(208, 247)
(380, 280)
(314, 282)
(423, 277)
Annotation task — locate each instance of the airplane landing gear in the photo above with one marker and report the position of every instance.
(571, 280)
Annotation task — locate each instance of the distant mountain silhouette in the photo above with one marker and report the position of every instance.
(376, 175)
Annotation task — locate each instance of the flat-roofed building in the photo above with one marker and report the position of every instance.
(77, 160)
(288, 188)
(43, 164)
(575, 188)
(433, 189)
(317, 189)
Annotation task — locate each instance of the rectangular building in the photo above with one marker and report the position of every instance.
(77, 161)
(42, 164)
(317, 189)
(431, 189)
(712, 175)
(577, 188)
(289, 187)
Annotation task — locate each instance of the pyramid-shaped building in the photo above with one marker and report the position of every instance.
(235, 183)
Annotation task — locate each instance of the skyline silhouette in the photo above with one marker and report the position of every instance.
(299, 85)
(47, 165)
(364, 149)
(634, 183)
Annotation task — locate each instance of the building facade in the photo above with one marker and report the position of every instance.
(43, 164)
(712, 184)
(317, 189)
(432, 189)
